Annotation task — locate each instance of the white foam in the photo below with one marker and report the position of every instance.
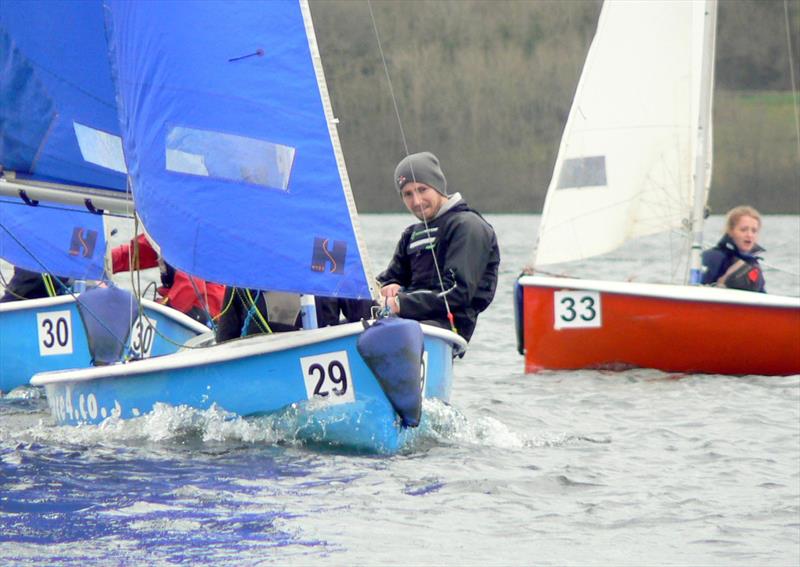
(447, 424)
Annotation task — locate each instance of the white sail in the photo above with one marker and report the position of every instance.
(625, 165)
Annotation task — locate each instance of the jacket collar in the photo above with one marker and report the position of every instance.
(726, 243)
(452, 201)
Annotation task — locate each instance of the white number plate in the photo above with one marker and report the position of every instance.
(577, 309)
(328, 378)
(143, 334)
(55, 332)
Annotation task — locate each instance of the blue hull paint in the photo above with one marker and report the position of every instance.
(43, 335)
(278, 379)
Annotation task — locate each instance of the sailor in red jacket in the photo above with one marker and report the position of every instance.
(188, 294)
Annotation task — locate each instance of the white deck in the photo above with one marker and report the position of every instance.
(666, 291)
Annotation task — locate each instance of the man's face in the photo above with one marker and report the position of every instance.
(421, 200)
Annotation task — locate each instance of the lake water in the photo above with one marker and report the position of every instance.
(580, 468)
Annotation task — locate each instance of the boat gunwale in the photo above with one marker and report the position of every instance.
(46, 302)
(225, 352)
(664, 291)
(24, 304)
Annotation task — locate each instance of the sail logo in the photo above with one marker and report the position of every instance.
(323, 256)
(83, 242)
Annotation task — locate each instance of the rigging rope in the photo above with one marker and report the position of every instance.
(791, 74)
(136, 281)
(48, 285)
(225, 309)
(136, 285)
(255, 313)
(444, 292)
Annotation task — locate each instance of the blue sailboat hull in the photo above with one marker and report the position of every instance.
(315, 381)
(41, 335)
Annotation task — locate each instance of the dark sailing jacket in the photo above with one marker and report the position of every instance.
(468, 258)
(718, 260)
(25, 284)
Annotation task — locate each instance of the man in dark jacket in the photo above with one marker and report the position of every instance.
(444, 270)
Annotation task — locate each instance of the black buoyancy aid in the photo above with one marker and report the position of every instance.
(744, 275)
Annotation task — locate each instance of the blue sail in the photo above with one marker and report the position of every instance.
(62, 240)
(58, 114)
(231, 147)
(58, 124)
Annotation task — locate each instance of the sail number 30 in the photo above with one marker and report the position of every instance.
(55, 332)
(577, 309)
(142, 336)
(328, 378)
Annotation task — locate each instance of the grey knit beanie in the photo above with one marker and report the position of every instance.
(422, 168)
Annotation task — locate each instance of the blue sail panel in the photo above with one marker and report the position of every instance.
(228, 145)
(64, 241)
(58, 113)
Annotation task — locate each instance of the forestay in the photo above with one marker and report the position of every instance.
(231, 145)
(626, 160)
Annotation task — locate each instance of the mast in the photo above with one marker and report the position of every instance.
(701, 174)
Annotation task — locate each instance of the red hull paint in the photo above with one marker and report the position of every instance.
(664, 333)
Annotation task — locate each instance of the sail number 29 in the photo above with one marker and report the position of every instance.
(577, 309)
(328, 378)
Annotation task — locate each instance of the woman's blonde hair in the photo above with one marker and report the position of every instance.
(737, 213)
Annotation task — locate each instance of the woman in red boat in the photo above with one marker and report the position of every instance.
(733, 262)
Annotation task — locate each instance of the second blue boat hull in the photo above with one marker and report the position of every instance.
(41, 335)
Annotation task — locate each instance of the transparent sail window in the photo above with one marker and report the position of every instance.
(227, 156)
(100, 148)
(583, 172)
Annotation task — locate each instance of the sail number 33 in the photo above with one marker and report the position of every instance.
(577, 309)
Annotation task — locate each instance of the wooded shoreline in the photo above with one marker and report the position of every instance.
(487, 85)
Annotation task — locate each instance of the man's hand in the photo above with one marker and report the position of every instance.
(390, 290)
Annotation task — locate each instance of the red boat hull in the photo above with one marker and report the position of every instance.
(671, 328)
